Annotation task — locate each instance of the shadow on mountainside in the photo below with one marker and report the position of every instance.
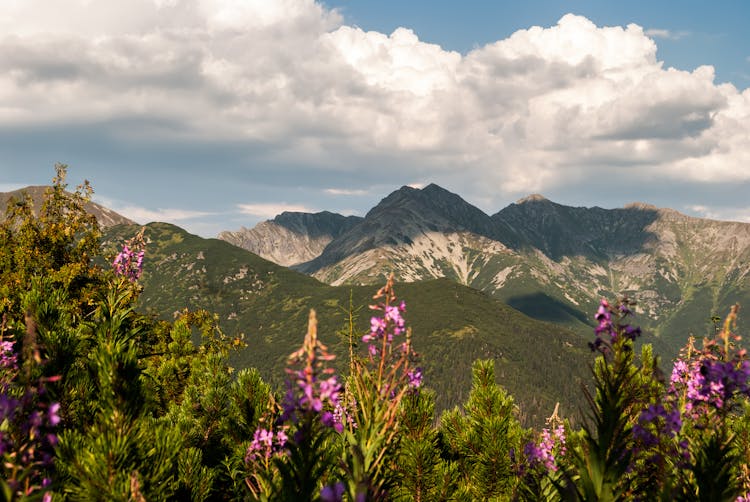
(543, 307)
(563, 231)
(533, 223)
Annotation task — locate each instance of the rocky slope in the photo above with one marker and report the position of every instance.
(452, 325)
(291, 238)
(550, 261)
(105, 216)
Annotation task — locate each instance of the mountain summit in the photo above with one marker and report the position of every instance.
(105, 216)
(419, 229)
(551, 261)
(291, 238)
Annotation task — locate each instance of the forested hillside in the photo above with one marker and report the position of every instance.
(105, 397)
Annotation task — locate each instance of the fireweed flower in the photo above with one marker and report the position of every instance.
(265, 444)
(313, 387)
(308, 416)
(607, 330)
(8, 358)
(712, 377)
(385, 327)
(27, 438)
(415, 378)
(343, 414)
(332, 493)
(129, 262)
(710, 382)
(551, 445)
(656, 422)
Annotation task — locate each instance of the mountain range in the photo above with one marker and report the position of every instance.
(540, 363)
(552, 262)
(518, 286)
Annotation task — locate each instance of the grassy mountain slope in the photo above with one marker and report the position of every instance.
(553, 262)
(539, 363)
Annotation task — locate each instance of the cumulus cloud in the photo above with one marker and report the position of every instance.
(290, 86)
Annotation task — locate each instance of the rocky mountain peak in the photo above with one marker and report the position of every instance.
(315, 225)
(291, 237)
(434, 206)
(642, 206)
(534, 197)
(105, 216)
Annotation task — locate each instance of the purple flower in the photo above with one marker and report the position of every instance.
(655, 422)
(129, 264)
(389, 325)
(415, 378)
(607, 331)
(313, 392)
(8, 357)
(52, 417)
(332, 493)
(8, 406)
(341, 413)
(716, 382)
(26, 440)
(550, 444)
(265, 444)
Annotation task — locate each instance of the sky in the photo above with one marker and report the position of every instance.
(218, 114)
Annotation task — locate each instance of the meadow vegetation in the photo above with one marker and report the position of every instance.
(100, 401)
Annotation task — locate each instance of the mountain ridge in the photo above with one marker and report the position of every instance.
(452, 324)
(104, 215)
(291, 238)
(549, 260)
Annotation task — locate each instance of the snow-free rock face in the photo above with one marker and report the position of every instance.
(105, 216)
(416, 234)
(551, 261)
(291, 238)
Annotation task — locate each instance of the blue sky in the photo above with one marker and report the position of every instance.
(216, 114)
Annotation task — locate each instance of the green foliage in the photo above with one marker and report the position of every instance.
(57, 243)
(712, 474)
(422, 474)
(124, 453)
(369, 447)
(481, 437)
(602, 458)
(152, 410)
(453, 325)
(117, 373)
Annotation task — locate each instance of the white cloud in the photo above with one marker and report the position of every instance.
(144, 215)
(666, 34)
(271, 210)
(293, 86)
(741, 214)
(347, 192)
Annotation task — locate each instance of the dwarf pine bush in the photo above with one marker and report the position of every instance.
(99, 401)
